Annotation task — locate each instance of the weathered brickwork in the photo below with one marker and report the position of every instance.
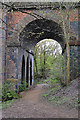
(74, 62)
(21, 52)
(17, 21)
(12, 60)
(2, 45)
(18, 39)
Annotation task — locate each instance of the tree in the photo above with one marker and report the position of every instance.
(46, 52)
(67, 37)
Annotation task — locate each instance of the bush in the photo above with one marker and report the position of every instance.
(54, 80)
(23, 86)
(5, 104)
(7, 92)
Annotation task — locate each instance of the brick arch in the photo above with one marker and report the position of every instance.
(22, 22)
(28, 18)
(51, 29)
(13, 39)
(23, 19)
(14, 42)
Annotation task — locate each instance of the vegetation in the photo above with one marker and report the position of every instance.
(50, 69)
(48, 60)
(6, 104)
(58, 95)
(8, 91)
(23, 87)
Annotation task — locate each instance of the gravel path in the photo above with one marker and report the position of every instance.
(32, 106)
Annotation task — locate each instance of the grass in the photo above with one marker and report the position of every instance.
(40, 82)
(53, 89)
(43, 81)
(45, 95)
(59, 99)
(63, 101)
(6, 104)
(54, 96)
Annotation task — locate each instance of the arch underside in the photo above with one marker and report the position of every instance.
(38, 30)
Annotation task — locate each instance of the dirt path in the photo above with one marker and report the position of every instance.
(32, 106)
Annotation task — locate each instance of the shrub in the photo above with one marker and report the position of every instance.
(54, 81)
(23, 86)
(7, 92)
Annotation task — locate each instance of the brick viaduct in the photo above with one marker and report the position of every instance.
(23, 31)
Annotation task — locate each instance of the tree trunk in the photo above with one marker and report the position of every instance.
(68, 51)
(67, 36)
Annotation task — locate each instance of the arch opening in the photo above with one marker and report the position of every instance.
(23, 69)
(27, 71)
(48, 60)
(33, 33)
(30, 71)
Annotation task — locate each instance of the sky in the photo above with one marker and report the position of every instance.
(53, 42)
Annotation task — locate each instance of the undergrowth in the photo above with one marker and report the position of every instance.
(52, 94)
(23, 86)
(9, 91)
(6, 104)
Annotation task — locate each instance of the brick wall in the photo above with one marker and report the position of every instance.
(16, 22)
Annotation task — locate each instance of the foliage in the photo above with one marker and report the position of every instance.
(54, 87)
(0, 91)
(55, 94)
(23, 86)
(6, 104)
(41, 81)
(8, 93)
(45, 95)
(65, 100)
(78, 100)
(48, 60)
(53, 81)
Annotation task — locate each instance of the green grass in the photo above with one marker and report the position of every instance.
(52, 96)
(6, 104)
(55, 87)
(43, 81)
(45, 95)
(40, 82)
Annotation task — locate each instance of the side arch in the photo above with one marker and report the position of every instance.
(30, 71)
(27, 70)
(23, 70)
